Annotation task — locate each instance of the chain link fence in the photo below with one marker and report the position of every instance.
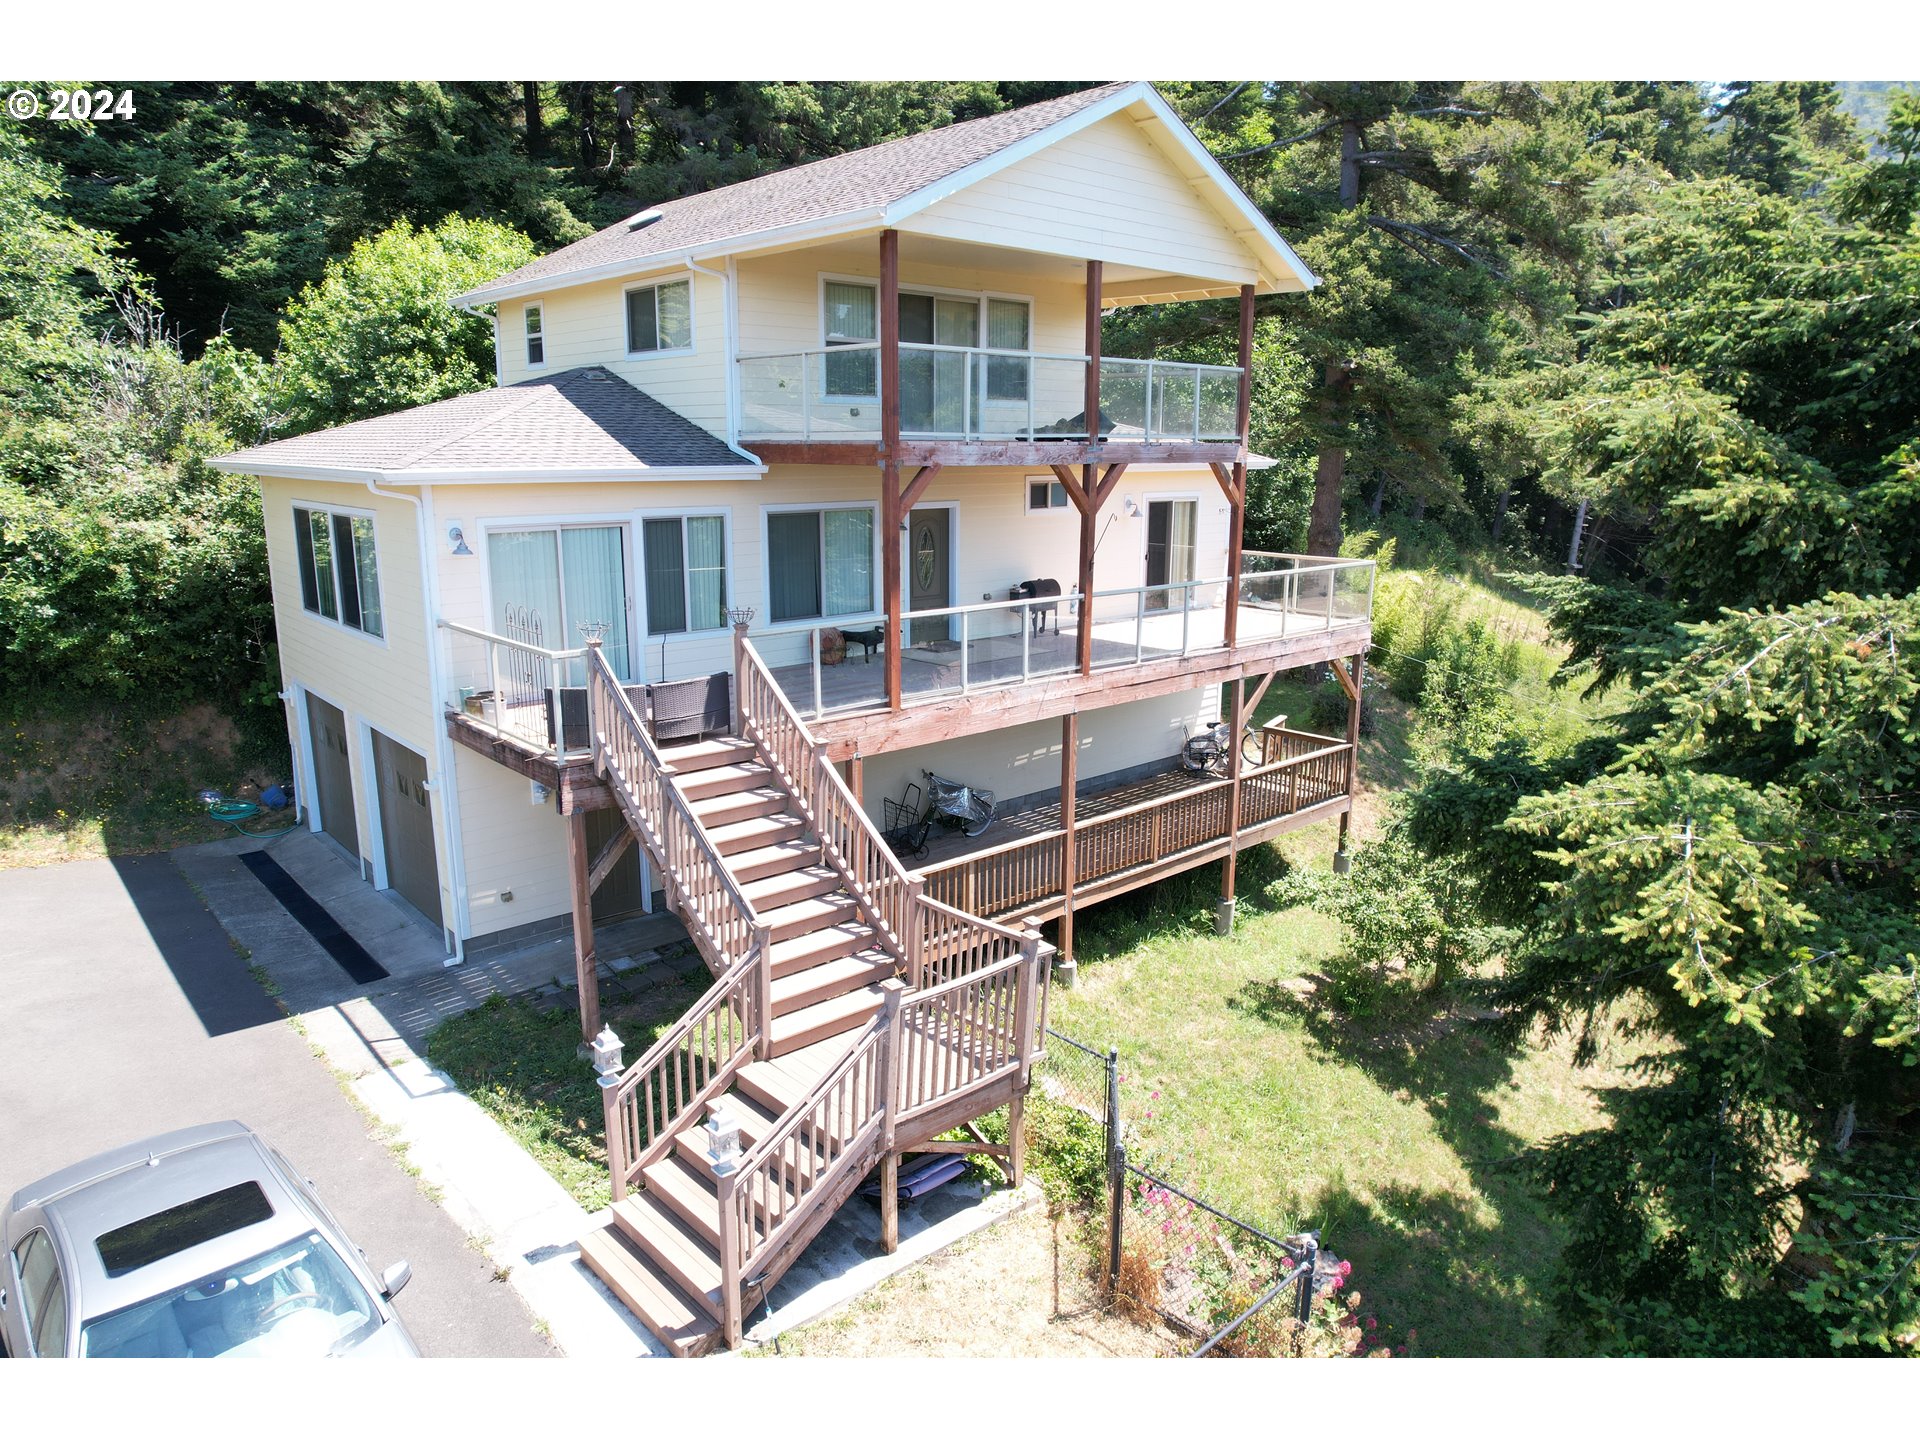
(1217, 1284)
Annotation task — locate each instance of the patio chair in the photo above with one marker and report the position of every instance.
(908, 821)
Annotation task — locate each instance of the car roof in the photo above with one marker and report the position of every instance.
(128, 1184)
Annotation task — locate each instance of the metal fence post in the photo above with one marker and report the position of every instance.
(1303, 1300)
(1116, 1171)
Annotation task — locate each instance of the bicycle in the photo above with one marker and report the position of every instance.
(1206, 753)
(957, 805)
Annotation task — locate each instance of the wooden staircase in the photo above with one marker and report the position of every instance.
(851, 1017)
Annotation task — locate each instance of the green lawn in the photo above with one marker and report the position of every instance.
(1396, 1142)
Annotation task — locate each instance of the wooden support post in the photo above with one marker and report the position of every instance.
(1341, 860)
(1090, 410)
(1084, 638)
(739, 676)
(1223, 917)
(1069, 855)
(580, 872)
(1092, 396)
(889, 1080)
(1237, 502)
(1017, 1139)
(857, 778)
(891, 517)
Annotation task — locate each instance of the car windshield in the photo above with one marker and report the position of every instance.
(296, 1301)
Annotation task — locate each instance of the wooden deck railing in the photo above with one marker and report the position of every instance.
(782, 1189)
(692, 1063)
(965, 1035)
(849, 841)
(718, 915)
(1021, 874)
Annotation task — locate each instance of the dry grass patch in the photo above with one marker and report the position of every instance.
(1016, 1290)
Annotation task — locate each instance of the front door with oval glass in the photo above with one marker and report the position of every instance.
(929, 571)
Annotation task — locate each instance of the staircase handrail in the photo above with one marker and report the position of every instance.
(690, 866)
(645, 1124)
(849, 839)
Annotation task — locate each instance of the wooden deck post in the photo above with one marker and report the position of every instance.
(1237, 501)
(586, 974)
(739, 676)
(1064, 963)
(889, 1079)
(1017, 1139)
(1090, 403)
(891, 519)
(857, 778)
(1223, 916)
(1342, 860)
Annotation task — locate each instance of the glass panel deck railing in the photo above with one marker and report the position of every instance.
(949, 392)
(518, 691)
(964, 649)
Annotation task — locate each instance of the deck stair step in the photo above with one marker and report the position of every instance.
(835, 1016)
(756, 832)
(825, 981)
(805, 916)
(769, 860)
(738, 805)
(681, 1324)
(802, 1153)
(724, 780)
(776, 891)
(689, 1261)
(704, 754)
(685, 1186)
(817, 947)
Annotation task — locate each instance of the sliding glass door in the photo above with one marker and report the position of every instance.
(547, 583)
(1170, 546)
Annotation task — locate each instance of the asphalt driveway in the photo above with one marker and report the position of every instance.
(125, 1010)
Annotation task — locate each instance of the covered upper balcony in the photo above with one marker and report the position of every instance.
(907, 349)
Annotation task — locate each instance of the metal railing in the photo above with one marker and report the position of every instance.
(995, 644)
(520, 691)
(957, 392)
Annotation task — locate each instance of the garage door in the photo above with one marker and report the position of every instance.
(406, 825)
(333, 773)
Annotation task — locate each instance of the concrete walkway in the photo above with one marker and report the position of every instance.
(373, 1037)
(126, 1011)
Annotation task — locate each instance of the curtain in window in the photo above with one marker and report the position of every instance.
(349, 571)
(367, 575)
(849, 576)
(524, 566)
(853, 317)
(1007, 329)
(676, 315)
(706, 572)
(643, 328)
(322, 542)
(665, 559)
(1180, 551)
(793, 565)
(593, 567)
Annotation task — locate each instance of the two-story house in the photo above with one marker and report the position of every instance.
(816, 433)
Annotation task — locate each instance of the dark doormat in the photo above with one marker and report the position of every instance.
(347, 952)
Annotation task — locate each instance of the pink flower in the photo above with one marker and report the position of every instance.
(1149, 1114)
(1345, 1268)
(1154, 1096)
(1400, 1350)
(1372, 1324)
(1338, 1281)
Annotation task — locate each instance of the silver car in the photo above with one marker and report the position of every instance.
(198, 1243)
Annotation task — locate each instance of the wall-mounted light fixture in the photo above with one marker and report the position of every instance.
(1132, 509)
(457, 538)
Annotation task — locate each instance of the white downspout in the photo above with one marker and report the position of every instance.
(448, 791)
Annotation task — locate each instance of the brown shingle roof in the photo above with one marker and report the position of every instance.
(859, 180)
(583, 419)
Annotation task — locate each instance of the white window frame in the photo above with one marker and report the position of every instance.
(626, 326)
(313, 507)
(940, 292)
(1053, 483)
(877, 613)
(639, 602)
(1147, 500)
(623, 519)
(533, 328)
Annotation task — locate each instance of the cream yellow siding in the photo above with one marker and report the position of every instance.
(375, 682)
(513, 848)
(1107, 192)
(587, 325)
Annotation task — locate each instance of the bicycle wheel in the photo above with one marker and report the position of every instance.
(981, 818)
(1198, 753)
(1253, 746)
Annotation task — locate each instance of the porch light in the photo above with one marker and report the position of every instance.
(594, 631)
(723, 1141)
(741, 616)
(606, 1056)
